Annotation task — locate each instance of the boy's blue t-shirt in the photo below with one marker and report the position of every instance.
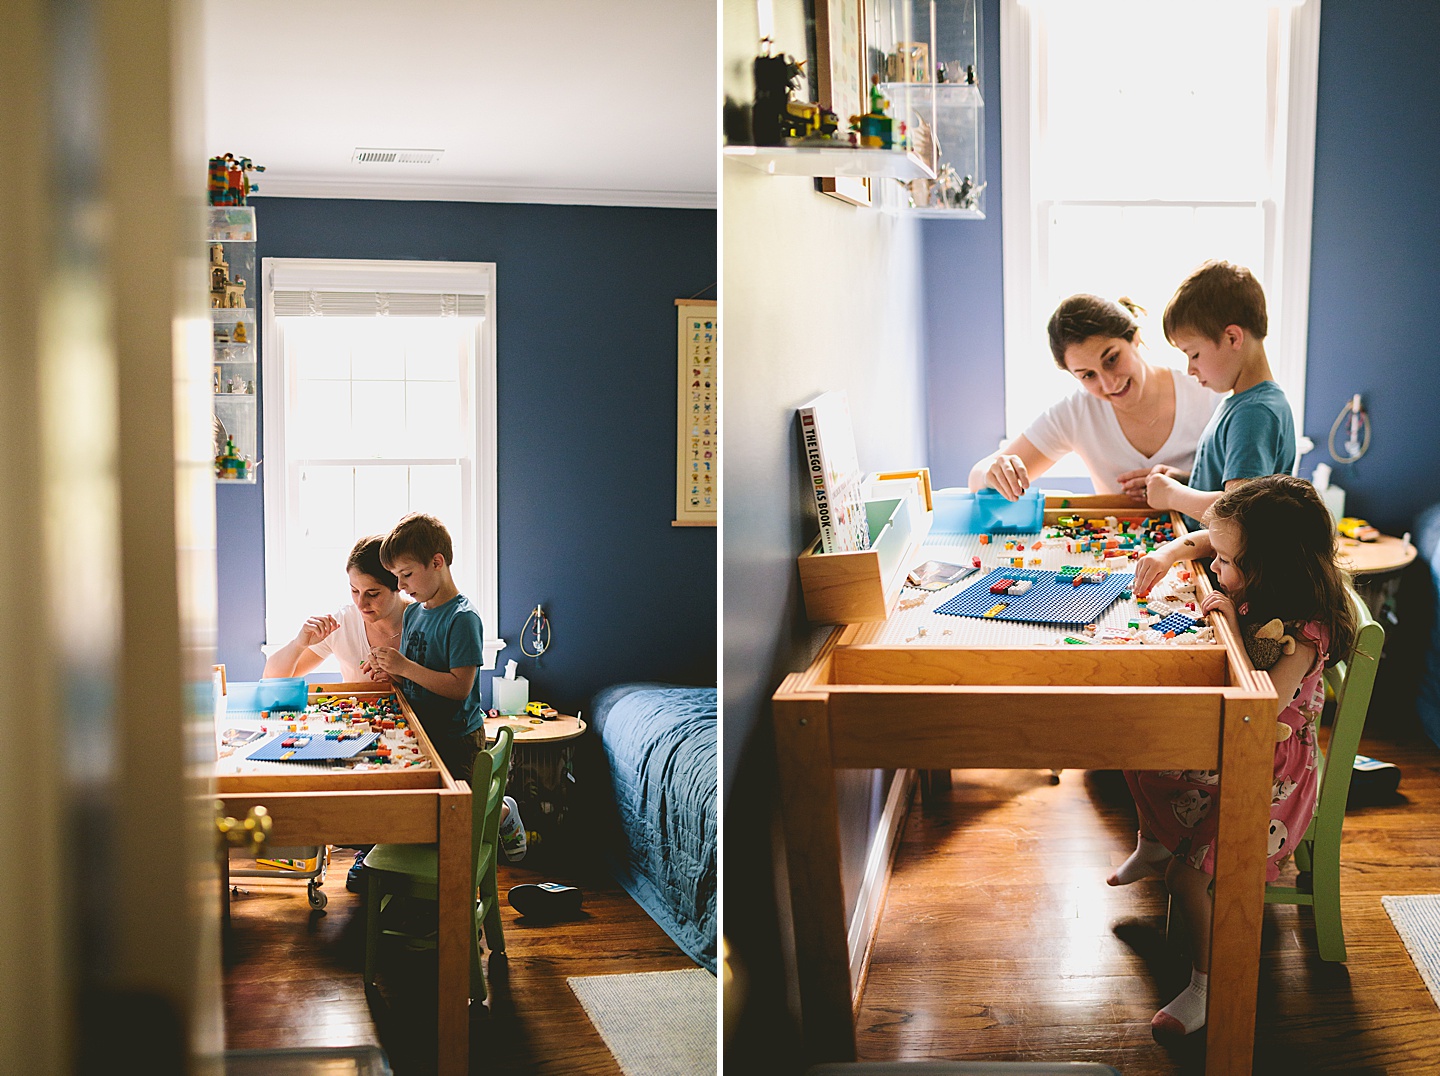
(444, 638)
(1251, 434)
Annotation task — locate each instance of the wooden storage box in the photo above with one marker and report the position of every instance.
(863, 586)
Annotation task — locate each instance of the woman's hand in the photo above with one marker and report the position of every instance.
(1007, 475)
(317, 628)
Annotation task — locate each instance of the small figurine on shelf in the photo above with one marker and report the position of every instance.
(969, 74)
(239, 335)
(776, 77)
(224, 292)
(230, 465)
(877, 130)
(229, 179)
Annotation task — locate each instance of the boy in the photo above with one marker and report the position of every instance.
(440, 654)
(1217, 318)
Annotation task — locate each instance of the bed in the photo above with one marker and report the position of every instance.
(655, 797)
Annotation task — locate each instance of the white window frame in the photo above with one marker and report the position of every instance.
(354, 275)
(1293, 70)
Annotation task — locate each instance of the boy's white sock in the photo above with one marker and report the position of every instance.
(1148, 859)
(513, 840)
(1187, 1012)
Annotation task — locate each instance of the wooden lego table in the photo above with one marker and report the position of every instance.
(415, 805)
(975, 704)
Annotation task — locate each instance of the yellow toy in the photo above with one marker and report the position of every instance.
(541, 709)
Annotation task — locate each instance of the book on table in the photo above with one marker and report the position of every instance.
(833, 472)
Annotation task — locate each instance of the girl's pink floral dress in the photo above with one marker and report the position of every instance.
(1178, 807)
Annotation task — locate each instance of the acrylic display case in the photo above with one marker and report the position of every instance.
(944, 88)
(233, 325)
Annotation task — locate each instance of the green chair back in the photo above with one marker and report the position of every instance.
(1317, 854)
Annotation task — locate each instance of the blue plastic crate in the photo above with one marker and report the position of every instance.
(286, 693)
(959, 511)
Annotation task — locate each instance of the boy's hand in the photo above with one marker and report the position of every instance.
(387, 660)
(1149, 570)
(317, 628)
(1159, 488)
(374, 673)
(1008, 476)
(1133, 483)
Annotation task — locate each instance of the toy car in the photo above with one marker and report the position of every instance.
(1358, 529)
(541, 709)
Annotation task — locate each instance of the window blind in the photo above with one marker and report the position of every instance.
(364, 304)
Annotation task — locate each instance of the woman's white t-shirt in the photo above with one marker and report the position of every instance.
(1086, 425)
(348, 643)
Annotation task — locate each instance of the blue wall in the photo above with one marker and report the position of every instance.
(964, 305)
(1375, 256)
(586, 382)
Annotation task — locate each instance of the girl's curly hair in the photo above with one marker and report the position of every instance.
(1287, 556)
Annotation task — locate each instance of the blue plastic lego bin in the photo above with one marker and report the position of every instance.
(286, 693)
(958, 511)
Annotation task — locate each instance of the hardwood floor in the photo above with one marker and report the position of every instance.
(293, 978)
(1000, 939)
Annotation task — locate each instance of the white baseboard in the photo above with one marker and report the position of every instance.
(877, 877)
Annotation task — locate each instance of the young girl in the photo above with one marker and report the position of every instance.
(1273, 544)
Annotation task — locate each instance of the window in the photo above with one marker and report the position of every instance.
(379, 399)
(1138, 140)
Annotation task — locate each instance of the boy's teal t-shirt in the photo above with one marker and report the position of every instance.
(1251, 434)
(444, 638)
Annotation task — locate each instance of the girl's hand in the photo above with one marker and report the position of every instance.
(1007, 474)
(1218, 602)
(317, 628)
(1149, 570)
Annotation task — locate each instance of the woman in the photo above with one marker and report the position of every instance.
(372, 619)
(1127, 419)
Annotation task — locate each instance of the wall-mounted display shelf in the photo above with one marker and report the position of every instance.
(826, 161)
(232, 315)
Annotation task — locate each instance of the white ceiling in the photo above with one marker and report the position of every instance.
(562, 101)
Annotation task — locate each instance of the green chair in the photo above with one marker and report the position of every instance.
(1317, 855)
(409, 870)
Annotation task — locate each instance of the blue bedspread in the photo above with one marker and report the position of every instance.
(659, 746)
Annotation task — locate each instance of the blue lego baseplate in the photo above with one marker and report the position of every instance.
(1176, 622)
(319, 749)
(1046, 602)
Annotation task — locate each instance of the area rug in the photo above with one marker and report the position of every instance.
(656, 1023)
(1417, 920)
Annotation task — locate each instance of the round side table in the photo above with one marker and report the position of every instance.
(541, 769)
(1376, 567)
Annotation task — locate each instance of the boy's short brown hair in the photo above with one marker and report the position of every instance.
(419, 537)
(1216, 295)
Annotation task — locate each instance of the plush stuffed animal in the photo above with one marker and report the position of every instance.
(1267, 643)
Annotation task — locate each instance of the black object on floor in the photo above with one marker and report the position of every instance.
(353, 881)
(546, 900)
(1372, 780)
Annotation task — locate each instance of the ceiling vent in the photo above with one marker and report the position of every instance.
(368, 155)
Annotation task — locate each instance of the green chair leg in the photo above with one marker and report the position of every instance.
(372, 925)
